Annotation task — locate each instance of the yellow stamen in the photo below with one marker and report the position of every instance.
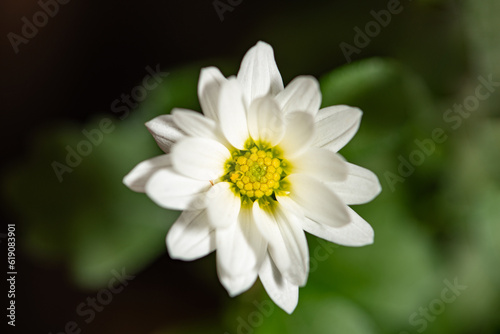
(256, 172)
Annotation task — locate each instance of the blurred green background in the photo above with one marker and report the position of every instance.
(437, 221)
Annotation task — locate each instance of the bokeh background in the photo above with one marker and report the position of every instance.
(437, 221)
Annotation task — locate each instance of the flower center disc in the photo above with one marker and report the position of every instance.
(256, 172)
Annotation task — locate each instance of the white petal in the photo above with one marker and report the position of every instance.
(240, 247)
(299, 133)
(317, 200)
(232, 114)
(281, 291)
(335, 126)
(236, 284)
(357, 233)
(209, 85)
(287, 243)
(190, 237)
(265, 121)
(301, 94)
(291, 206)
(136, 179)
(322, 164)
(165, 131)
(194, 124)
(259, 74)
(223, 205)
(200, 158)
(360, 186)
(174, 191)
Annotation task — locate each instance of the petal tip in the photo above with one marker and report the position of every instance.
(127, 180)
(263, 44)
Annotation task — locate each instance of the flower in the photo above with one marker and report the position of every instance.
(259, 169)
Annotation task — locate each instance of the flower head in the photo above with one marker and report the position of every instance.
(259, 169)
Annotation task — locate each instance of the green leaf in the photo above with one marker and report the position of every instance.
(319, 315)
(385, 90)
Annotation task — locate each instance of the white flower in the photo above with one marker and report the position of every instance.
(259, 169)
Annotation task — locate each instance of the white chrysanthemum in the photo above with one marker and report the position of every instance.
(259, 169)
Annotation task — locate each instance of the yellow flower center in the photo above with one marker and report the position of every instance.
(256, 172)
